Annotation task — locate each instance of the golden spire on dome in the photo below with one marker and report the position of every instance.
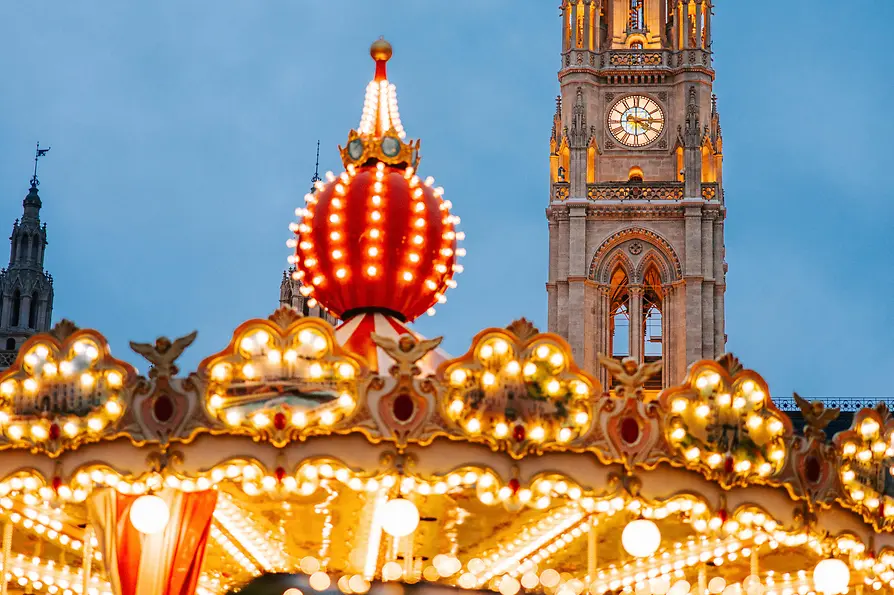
(380, 136)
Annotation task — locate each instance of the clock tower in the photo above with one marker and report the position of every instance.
(636, 210)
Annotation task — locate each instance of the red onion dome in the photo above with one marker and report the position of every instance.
(377, 238)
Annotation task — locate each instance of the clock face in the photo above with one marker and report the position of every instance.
(635, 120)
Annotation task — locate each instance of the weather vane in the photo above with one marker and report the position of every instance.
(40, 153)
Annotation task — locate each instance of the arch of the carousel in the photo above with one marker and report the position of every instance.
(523, 470)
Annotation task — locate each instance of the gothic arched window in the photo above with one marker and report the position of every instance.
(34, 243)
(619, 310)
(636, 19)
(32, 311)
(16, 308)
(653, 304)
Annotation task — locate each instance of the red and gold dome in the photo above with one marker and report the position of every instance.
(377, 237)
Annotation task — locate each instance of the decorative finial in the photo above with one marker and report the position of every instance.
(381, 51)
(316, 177)
(40, 153)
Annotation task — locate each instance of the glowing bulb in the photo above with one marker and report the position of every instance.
(641, 538)
(400, 517)
(831, 577)
(149, 514)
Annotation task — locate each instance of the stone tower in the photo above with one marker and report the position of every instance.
(290, 293)
(636, 211)
(27, 289)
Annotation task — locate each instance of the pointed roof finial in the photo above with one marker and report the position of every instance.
(316, 177)
(37, 155)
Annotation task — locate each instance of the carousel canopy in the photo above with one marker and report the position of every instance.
(363, 458)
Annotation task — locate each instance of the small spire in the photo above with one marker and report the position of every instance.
(37, 155)
(316, 177)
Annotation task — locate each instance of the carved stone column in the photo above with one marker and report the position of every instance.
(667, 339)
(603, 313)
(6, 320)
(636, 322)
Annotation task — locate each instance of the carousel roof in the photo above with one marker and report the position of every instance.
(363, 453)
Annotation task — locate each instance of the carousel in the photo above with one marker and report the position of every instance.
(364, 458)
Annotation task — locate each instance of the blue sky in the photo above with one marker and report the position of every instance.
(184, 135)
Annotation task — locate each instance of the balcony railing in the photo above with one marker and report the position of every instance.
(618, 191)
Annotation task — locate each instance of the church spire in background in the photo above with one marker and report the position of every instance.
(316, 177)
(26, 289)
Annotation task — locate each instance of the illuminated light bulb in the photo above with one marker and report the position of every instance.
(457, 406)
(420, 222)
(248, 371)
(564, 435)
(346, 400)
(831, 577)
(501, 430)
(113, 407)
(538, 433)
(233, 418)
(431, 284)
(309, 262)
(337, 254)
(458, 268)
(775, 426)
(513, 368)
(408, 276)
(8, 387)
(702, 410)
(557, 359)
(371, 271)
(420, 206)
(70, 428)
(446, 252)
(114, 379)
(530, 369)
(400, 517)
(641, 538)
(334, 218)
(319, 581)
(376, 200)
(149, 514)
(327, 418)
(474, 426)
(458, 376)
(87, 380)
(414, 257)
(375, 216)
(334, 236)
(679, 405)
(553, 387)
(418, 239)
(581, 417)
(50, 369)
(346, 370)
(39, 432)
(869, 427)
(260, 420)
(315, 370)
(374, 233)
(693, 453)
(299, 419)
(317, 280)
(290, 356)
(488, 379)
(440, 268)
(305, 245)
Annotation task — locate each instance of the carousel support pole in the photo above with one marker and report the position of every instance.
(408, 557)
(87, 565)
(591, 551)
(754, 568)
(7, 546)
(702, 580)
